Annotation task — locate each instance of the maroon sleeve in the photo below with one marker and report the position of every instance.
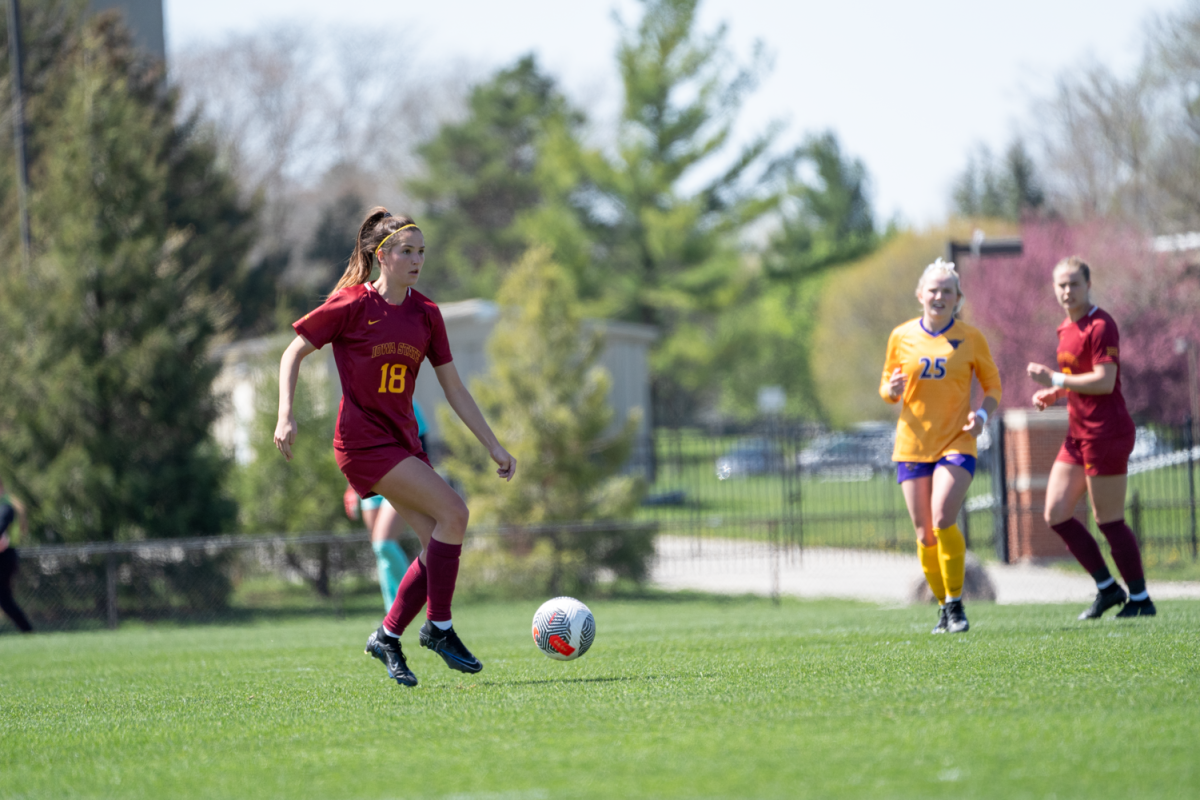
(326, 322)
(439, 345)
(1105, 343)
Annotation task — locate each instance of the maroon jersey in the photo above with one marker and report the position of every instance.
(1081, 346)
(378, 348)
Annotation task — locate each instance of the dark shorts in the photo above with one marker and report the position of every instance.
(365, 468)
(907, 470)
(1098, 456)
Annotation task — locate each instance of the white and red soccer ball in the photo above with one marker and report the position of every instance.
(563, 628)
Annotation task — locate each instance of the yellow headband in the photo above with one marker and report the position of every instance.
(390, 235)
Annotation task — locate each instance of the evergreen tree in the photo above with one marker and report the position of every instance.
(641, 245)
(334, 238)
(481, 174)
(547, 400)
(1009, 190)
(107, 366)
(824, 224)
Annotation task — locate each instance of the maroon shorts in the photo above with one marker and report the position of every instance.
(1098, 456)
(365, 468)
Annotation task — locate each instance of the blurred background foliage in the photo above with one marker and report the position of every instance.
(171, 215)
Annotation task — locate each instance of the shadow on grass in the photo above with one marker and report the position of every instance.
(548, 681)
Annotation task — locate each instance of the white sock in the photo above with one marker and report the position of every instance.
(1105, 584)
(443, 626)
(389, 633)
(953, 599)
(1139, 596)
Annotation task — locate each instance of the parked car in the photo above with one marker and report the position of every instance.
(862, 451)
(750, 457)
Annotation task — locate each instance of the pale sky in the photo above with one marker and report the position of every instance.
(909, 87)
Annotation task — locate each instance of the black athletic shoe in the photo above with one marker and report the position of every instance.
(392, 658)
(956, 617)
(943, 623)
(1138, 608)
(447, 645)
(1106, 598)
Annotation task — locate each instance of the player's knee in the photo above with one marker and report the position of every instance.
(1055, 513)
(456, 515)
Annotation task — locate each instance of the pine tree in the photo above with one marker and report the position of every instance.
(107, 365)
(643, 244)
(482, 174)
(546, 398)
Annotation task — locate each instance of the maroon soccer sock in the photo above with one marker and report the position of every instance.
(1125, 553)
(409, 598)
(1082, 545)
(441, 561)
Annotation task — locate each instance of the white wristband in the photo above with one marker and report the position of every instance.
(982, 415)
(1057, 379)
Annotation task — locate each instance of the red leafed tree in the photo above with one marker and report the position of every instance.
(1154, 297)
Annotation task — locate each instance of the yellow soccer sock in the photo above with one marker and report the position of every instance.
(952, 548)
(933, 570)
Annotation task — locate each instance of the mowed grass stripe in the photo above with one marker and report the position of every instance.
(688, 698)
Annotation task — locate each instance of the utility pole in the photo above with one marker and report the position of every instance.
(18, 115)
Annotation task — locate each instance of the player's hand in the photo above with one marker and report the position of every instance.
(507, 464)
(974, 424)
(1044, 398)
(896, 383)
(350, 502)
(1041, 374)
(285, 435)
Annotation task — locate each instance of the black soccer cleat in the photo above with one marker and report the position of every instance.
(956, 617)
(943, 623)
(391, 656)
(1106, 598)
(1138, 608)
(447, 645)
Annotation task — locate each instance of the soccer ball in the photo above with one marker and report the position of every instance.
(563, 628)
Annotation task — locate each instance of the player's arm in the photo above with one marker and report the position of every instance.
(988, 375)
(468, 411)
(1101, 380)
(891, 385)
(289, 375)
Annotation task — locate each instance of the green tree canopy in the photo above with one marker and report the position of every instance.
(106, 371)
(547, 399)
(481, 174)
(1008, 190)
(671, 226)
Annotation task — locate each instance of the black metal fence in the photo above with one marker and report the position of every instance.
(758, 494)
(808, 488)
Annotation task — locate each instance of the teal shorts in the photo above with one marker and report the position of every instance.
(372, 503)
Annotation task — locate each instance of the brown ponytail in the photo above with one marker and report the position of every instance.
(379, 224)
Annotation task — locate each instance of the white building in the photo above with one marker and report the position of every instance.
(469, 326)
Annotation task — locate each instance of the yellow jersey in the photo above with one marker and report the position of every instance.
(937, 396)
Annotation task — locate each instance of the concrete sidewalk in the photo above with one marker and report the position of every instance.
(727, 566)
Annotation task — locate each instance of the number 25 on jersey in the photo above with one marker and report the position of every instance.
(391, 378)
(931, 368)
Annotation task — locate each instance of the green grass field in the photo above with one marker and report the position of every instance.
(678, 698)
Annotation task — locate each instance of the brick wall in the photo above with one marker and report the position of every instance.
(1031, 441)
